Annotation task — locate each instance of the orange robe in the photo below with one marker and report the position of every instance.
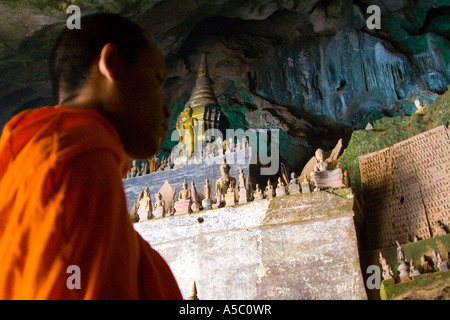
(62, 203)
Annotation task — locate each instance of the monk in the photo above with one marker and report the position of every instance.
(65, 232)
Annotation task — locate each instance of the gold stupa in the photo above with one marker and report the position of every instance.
(204, 104)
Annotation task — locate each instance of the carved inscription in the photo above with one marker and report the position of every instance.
(406, 188)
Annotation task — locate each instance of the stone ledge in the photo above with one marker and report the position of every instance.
(308, 207)
(428, 286)
(232, 254)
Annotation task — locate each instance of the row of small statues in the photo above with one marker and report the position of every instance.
(228, 192)
(181, 154)
(152, 165)
(407, 270)
(220, 147)
(211, 149)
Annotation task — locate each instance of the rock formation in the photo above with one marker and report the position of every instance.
(309, 68)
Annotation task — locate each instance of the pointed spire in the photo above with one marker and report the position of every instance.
(203, 68)
(193, 295)
(203, 93)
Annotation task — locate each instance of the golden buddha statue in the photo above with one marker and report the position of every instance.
(186, 129)
(204, 108)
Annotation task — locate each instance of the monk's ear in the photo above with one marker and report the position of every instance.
(109, 61)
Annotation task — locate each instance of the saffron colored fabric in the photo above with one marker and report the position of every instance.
(62, 204)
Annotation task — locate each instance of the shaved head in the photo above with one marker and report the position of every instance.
(76, 50)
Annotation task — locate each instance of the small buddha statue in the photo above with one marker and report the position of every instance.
(400, 253)
(144, 168)
(280, 182)
(185, 193)
(241, 178)
(134, 212)
(159, 206)
(269, 191)
(163, 164)
(258, 194)
(223, 183)
(294, 184)
(243, 192)
(281, 188)
(230, 196)
(320, 175)
(183, 205)
(306, 188)
(148, 203)
(209, 152)
(145, 205)
(245, 143)
(207, 202)
(249, 190)
(194, 196)
(321, 165)
(403, 270)
(294, 179)
(231, 146)
(134, 172)
(195, 206)
(238, 145)
(170, 163)
(387, 271)
(207, 189)
(219, 146)
(413, 272)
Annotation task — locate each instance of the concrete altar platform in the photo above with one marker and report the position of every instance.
(300, 246)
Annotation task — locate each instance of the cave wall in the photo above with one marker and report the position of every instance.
(310, 68)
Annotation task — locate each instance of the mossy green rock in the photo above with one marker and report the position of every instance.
(389, 131)
(426, 286)
(309, 206)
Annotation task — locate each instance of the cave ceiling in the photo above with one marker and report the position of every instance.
(309, 68)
